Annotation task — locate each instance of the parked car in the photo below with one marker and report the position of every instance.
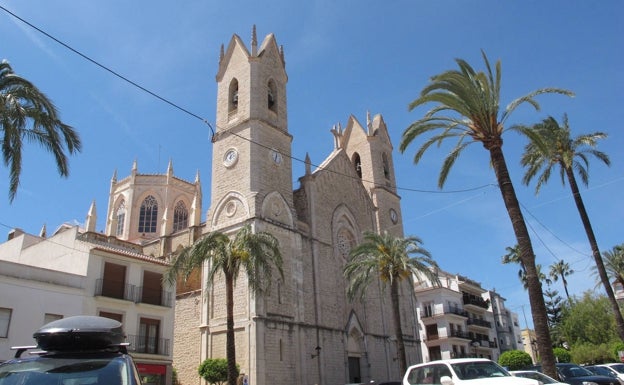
(534, 374)
(604, 371)
(577, 375)
(473, 371)
(617, 368)
(73, 350)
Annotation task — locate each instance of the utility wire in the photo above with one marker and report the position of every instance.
(177, 106)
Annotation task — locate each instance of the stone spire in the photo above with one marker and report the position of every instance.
(221, 53)
(91, 218)
(43, 232)
(254, 42)
(308, 164)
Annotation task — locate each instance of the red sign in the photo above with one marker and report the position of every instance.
(151, 369)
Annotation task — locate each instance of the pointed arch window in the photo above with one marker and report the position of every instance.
(148, 215)
(121, 218)
(345, 241)
(272, 96)
(233, 96)
(357, 162)
(180, 216)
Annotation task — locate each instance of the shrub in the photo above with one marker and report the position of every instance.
(515, 359)
(214, 370)
(562, 355)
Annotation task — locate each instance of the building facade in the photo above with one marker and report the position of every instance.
(75, 272)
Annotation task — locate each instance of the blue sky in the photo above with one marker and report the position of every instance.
(343, 58)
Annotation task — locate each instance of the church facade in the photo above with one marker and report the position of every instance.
(305, 331)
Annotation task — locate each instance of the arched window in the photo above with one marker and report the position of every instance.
(180, 216)
(386, 166)
(233, 95)
(121, 217)
(357, 162)
(148, 215)
(272, 96)
(344, 242)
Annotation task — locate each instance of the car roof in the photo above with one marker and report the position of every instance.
(453, 361)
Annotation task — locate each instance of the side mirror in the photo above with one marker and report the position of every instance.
(446, 380)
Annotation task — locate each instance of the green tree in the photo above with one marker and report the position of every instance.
(551, 146)
(513, 256)
(591, 354)
(515, 359)
(562, 355)
(561, 269)
(391, 260)
(467, 109)
(554, 309)
(215, 370)
(589, 320)
(255, 254)
(26, 114)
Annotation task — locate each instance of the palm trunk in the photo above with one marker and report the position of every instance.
(565, 287)
(534, 286)
(394, 295)
(602, 272)
(230, 343)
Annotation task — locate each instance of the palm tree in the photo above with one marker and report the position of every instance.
(513, 256)
(561, 269)
(467, 109)
(255, 254)
(27, 114)
(614, 263)
(392, 260)
(552, 146)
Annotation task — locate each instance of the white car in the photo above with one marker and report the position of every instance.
(469, 371)
(616, 368)
(534, 374)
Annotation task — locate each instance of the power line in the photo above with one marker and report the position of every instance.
(177, 106)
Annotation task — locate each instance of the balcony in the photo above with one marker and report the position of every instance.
(444, 310)
(112, 289)
(148, 345)
(460, 334)
(153, 297)
(471, 299)
(479, 322)
(137, 294)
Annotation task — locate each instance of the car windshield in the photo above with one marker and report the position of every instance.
(478, 369)
(65, 371)
(574, 371)
(617, 367)
(601, 370)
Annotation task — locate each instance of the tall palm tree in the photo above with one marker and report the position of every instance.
(392, 260)
(467, 109)
(255, 254)
(551, 146)
(614, 263)
(561, 269)
(26, 114)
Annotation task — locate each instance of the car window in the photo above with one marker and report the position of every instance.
(429, 374)
(574, 371)
(478, 369)
(618, 367)
(65, 371)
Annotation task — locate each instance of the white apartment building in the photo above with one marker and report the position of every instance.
(76, 272)
(456, 318)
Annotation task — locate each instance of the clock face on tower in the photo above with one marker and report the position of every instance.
(276, 156)
(230, 157)
(394, 217)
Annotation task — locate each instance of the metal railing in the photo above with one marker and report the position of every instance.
(153, 297)
(113, 289)
(148, 345)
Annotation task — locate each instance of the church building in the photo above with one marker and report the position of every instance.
(305, 330)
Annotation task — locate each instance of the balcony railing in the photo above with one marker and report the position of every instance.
(110, 289)
(153, 297)
(149, 345)
(471, 299)
(137, 294)
(479, 322)
(445, 310)
(460, 334)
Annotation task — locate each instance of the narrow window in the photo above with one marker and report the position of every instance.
(117, 317)
(148, 215)
(114, 281)
(5, 321)
(149, 330)
(152, 289)
(180, 216)
(121, 217)
(233, 96)
(357, 162)
(48, 317)
(386, 167)
(272, 96)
